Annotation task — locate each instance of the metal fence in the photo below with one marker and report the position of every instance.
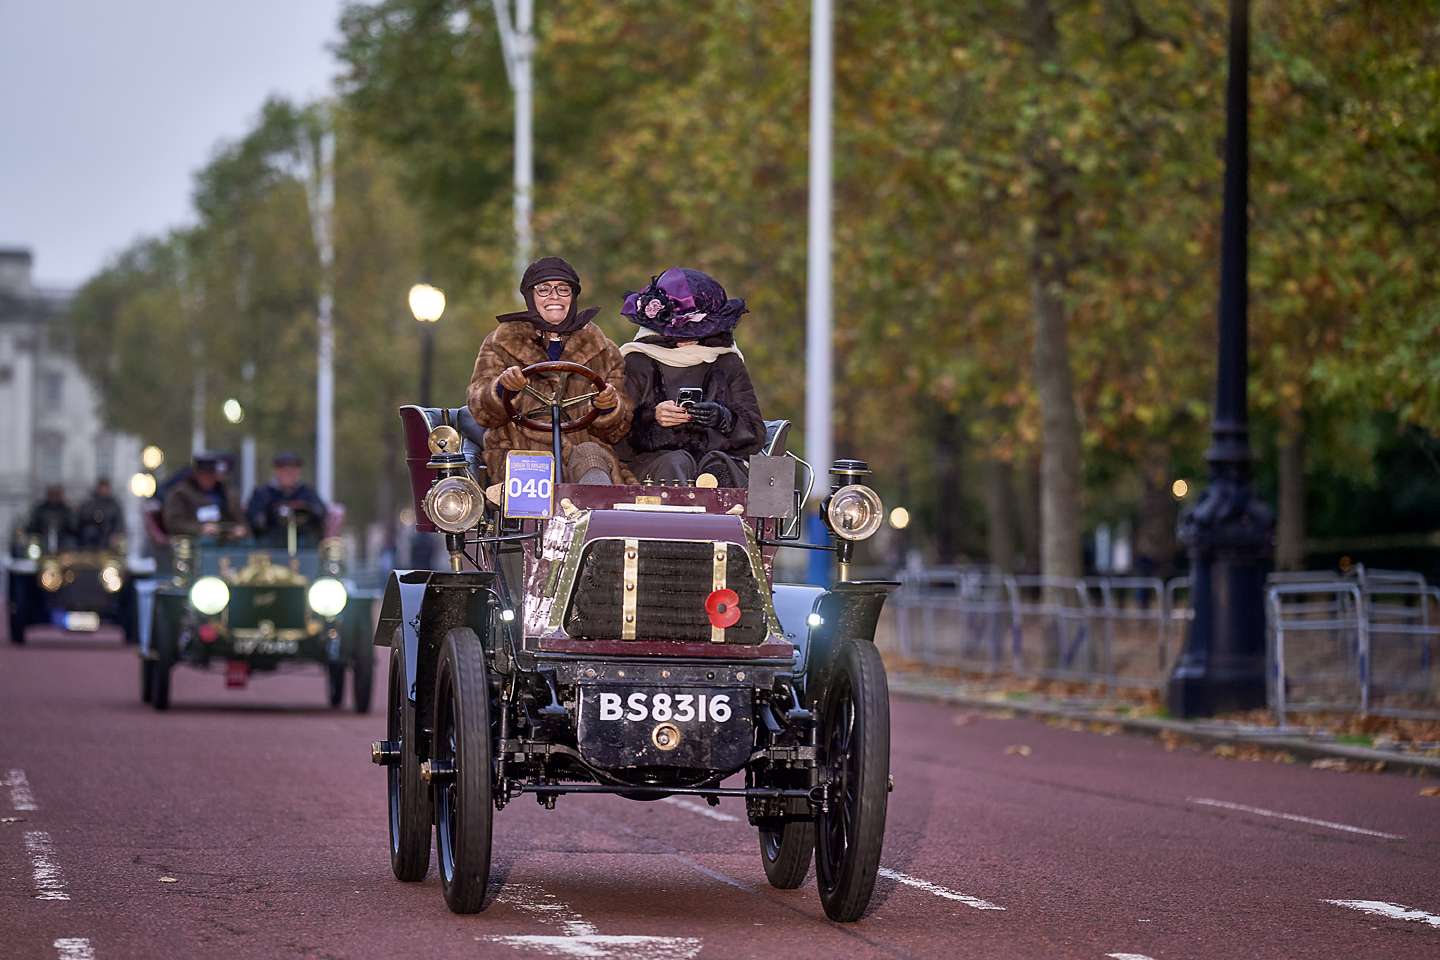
(1364, 642)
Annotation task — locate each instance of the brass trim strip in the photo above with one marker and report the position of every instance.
(631, 590)
(717, 582)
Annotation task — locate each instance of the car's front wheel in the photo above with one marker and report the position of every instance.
(163, 665)
(335, 684)
(362, 679)
(785, 850)
(855, 757)
(411, 809)
(462, 756)
(147, 680)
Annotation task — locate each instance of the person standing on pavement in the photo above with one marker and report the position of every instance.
(287, 496)
(552, 327)
(695, 407)
(99, 519)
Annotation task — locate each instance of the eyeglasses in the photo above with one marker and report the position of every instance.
(555, 289)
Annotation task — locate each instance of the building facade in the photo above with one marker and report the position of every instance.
(52, 428)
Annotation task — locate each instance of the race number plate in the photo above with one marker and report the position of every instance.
(697, 727)
(529, 484)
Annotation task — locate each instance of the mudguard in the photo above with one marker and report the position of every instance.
(818, 620)
(426, 604)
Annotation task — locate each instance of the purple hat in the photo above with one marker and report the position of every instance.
(684, 304)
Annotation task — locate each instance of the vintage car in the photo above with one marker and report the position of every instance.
(256, 609)
(629, 640)
(77, 590)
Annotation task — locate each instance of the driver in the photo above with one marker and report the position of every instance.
(695, 407)
(201, 504)
(52, 520)
(551, 328)
(287, 496)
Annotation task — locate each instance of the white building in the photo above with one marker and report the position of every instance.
(51, 426)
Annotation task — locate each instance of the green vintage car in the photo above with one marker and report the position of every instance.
(256, 610)
(75, 590)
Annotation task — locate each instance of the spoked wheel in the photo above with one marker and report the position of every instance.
(411, 810)
(855, 757)
(785, 850)
(335, 684)
(463, 807)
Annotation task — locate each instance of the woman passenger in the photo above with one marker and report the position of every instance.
(686, 342)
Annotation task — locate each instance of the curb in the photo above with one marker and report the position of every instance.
(926, 688)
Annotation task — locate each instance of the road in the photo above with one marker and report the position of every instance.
(251, 824)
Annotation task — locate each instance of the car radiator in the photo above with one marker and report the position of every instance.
(672, 580)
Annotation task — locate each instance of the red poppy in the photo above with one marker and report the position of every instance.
(724, 608)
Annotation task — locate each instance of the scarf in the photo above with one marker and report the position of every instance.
(676, 356)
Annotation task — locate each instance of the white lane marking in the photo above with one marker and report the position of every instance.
(1127, 956)
(702, 809)
(48, 883)
(1242, 808)
(597, 947)
(21, 797)
(938, 890)
(74, 948)
(581, 938)
(1392, 910)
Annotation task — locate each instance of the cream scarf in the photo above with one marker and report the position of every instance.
(688, 356)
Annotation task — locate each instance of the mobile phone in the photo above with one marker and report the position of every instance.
(690, 396)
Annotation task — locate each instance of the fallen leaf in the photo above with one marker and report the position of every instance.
(1225, 750)
(1430, 792)
(1330, 763)
(1017, 750)
(11, 819)
(168, 880)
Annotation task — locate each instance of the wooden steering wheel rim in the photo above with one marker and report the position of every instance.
(568, 368)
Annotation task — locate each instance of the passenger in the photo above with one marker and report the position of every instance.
(52, 521)
(202, 505)
(99, 519)
(551, 328)
(686, 342)
(286, 496)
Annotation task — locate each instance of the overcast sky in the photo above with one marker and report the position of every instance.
(107, 107)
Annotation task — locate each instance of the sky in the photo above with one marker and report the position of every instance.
(108, 107)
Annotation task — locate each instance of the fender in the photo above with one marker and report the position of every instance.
(425, 605)
(847, 611)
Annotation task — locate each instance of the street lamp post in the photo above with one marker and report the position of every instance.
(427, 303)
(1228, 532)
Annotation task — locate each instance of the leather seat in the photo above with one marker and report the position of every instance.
(777, 432)
(418, 422)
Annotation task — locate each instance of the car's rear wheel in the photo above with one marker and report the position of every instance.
(411, 809)
(463, 799)
(335, 684)
(785, 850)
(855, 757)
(362, 679)
(166, 653)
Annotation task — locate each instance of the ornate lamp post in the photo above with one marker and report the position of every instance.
(1228, 532)
(427, 303)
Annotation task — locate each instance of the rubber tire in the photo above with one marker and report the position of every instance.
(464, 806)
(786, 853)
(166, 653)
(410, 809)
(846, 885)
(17, 629)
(362, 679)
(335, 684)
(147, 680)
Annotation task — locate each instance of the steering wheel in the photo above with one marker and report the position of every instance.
(566, 369)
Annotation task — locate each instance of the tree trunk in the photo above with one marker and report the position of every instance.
(1028, 516)
(1059, 422)
(999, 523)
(1155, 540)
(1290, 531)
(948, 455)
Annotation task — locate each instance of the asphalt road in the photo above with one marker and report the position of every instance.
(251, 824)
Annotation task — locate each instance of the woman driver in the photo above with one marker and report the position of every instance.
(551, 329)
(686, 342)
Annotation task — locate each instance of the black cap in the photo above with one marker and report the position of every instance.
(287, 458)
(206, 460)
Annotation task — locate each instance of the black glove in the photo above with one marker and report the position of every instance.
(708, 413)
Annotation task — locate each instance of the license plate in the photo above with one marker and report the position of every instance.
(82, 621)
(659, 706)
(265, 645)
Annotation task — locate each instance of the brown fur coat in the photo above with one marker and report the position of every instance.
(518, 344)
